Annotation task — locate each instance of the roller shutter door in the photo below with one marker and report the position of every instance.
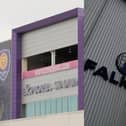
(50, 38)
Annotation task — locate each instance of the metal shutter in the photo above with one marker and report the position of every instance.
(50, 38)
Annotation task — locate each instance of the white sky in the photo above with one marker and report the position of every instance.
(14, 13)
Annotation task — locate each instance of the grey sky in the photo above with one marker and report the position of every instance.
(14, 13)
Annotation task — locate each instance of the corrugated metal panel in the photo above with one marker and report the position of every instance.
(93, 10)
(50, 38)
(105, 104)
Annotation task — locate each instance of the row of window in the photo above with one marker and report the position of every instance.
(55, 57)
(51, 106)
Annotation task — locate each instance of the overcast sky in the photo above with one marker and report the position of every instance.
(14, 13)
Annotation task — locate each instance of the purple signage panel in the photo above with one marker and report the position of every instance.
(17, 55)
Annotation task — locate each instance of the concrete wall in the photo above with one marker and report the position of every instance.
(66, 119)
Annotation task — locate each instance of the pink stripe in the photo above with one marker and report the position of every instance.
(50, 69)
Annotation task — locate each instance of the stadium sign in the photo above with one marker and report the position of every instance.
(103, 71)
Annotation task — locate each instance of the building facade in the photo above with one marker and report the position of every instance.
(43, 72)
(47, 64)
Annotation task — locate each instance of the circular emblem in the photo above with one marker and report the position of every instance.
(121, 63)
(3, 61)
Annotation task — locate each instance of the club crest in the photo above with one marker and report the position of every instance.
(121, 63)
(4, 64)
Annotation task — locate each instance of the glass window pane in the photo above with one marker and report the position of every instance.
(53, 106)
(23, 111)
(48, 107)
(37, 108)
(59, 105)
(43, 107)
(66, 54)
(73, 103)
(39, 61)
(65, 104)
(30, 110)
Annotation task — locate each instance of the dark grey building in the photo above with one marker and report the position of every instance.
(5, 80)
(105, 40)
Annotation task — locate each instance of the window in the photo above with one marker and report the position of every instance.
(66, 54)
(53, 57)
(39, 61)
(51, 106)
(23, 114)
